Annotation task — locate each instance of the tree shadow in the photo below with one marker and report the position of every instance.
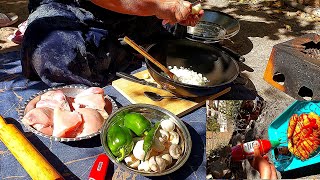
(265, 21)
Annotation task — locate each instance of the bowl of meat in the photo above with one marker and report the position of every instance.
(68, 113)
(146, 140)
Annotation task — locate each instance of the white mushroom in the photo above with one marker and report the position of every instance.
(144, 166)
(138, 151)
(162, 135)
(157, 145)
(131, 161)
(167, 125)
(174, 137)
(157, 164)
(175, 151)
(167, 158)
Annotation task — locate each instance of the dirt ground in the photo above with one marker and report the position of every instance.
(19, 7)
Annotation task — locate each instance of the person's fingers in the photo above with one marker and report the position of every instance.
(164, 22)
(256, 151)
(201, 13)
(265, 171)
(266, 157)
(183, 11)
(273, 172)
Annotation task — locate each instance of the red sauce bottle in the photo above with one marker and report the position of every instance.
(246, 150)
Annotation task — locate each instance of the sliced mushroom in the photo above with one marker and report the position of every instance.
(174, 137)
(175, 151)
(167, 158)
(157, 164)
(163, 135)
(167, 125)
(131, 161)
(144, 166)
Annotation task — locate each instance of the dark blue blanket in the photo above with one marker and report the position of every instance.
(70, 42)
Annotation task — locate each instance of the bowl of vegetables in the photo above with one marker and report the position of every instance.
(146, 139)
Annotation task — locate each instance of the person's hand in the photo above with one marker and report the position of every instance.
(261, 164)
(177, 11)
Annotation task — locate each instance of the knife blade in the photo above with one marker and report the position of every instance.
(136, 80)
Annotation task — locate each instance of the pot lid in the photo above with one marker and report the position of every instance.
(206, 32)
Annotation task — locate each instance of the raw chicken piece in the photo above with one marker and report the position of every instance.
(104, 113)
(53, 99)
(41, 119)
(53, 104)
(66, 123)
(93, 121)
(45, 130)
(70, 101)
(94, 101)
(54, 94)
(91, 90)
(91, 98)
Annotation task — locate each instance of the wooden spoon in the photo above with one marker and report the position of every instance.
(149, 57)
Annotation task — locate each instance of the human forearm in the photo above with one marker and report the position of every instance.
(132, 7)
(171, 11)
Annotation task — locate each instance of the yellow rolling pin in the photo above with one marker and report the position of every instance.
(28, 156)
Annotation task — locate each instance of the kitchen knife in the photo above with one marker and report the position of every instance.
(136, 80)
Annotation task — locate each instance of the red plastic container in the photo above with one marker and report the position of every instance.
(246, 150)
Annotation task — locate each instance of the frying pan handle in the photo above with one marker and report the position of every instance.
(240, 80)
(234, 54)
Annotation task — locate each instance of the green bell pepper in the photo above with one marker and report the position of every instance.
(119, 141)
(137, 123)
(119, 118)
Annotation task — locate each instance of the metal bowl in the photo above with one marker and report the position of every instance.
(71, 91)
(154, 114)
(218, 20)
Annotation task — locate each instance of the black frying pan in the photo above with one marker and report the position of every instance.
(214, 63)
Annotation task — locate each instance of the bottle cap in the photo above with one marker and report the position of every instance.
(274, 143)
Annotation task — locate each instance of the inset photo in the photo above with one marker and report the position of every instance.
(257, 139)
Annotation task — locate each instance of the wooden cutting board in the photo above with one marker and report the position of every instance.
(134, 92)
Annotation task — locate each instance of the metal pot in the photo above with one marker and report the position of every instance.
(213, 27)
(214, 63)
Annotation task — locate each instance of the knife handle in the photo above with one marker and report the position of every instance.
(130, 78)
(99, 168)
